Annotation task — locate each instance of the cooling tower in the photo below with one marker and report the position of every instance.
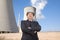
(7, 18)
(29, 9)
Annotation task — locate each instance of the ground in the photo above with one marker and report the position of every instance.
(41, 35)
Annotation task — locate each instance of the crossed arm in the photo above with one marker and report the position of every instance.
(30, 30)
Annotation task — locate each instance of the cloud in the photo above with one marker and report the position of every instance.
(39, 5)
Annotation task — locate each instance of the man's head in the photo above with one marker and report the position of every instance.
(30, 15)
(29, 12)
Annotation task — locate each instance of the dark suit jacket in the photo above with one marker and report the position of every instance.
(28, 34)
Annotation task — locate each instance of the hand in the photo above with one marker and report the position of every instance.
(29, 27)
(35, 31)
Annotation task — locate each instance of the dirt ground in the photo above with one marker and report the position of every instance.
(41, 35)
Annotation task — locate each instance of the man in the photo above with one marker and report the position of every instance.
(30, 27)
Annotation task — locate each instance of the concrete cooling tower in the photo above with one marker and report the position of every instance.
(7, 19)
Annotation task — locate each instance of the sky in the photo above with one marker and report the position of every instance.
(48, 9)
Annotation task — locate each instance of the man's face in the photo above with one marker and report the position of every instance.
(30, 16)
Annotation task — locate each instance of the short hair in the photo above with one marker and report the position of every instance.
(30, 12)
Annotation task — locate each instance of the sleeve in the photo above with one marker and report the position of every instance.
(36, 27)
(25, 29)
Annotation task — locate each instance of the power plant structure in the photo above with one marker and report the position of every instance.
(7, 18)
